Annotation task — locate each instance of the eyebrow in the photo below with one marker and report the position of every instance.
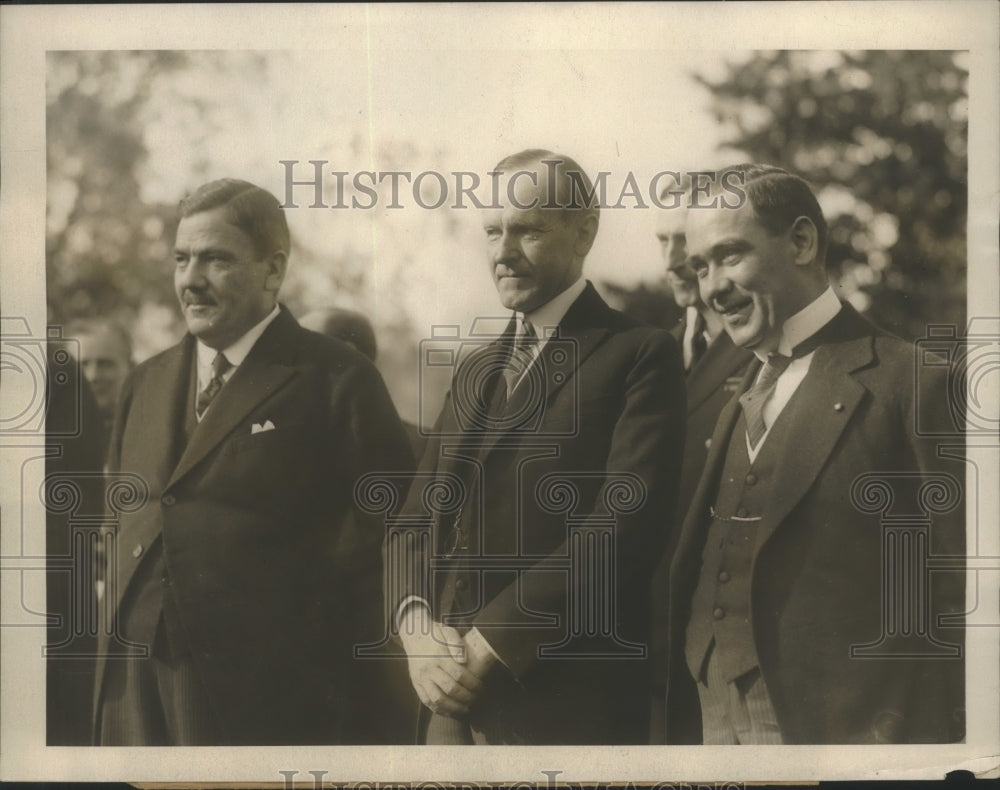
(218, 252)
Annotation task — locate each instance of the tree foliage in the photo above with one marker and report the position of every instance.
(882, 135)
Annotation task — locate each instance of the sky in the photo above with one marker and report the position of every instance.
(446, 110)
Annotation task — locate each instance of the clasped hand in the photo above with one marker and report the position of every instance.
(445, 672)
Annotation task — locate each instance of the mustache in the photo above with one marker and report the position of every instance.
(728, 305)
(198, 298)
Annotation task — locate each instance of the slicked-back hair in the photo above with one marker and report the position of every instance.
(779, 198)
(253, 210)
(575, 190)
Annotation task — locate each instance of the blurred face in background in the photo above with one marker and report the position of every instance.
(105, 363)
(535, 253)
(223, 285)
(673, 245)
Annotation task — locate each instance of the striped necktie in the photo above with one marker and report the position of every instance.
(521, 356)
(219, 367)
(754, 399)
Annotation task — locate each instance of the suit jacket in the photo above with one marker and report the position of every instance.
(609, 421)
(710, 385)
(819, 563)
(273, 573)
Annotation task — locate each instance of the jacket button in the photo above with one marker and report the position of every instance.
(137, 551)
(708, 442)
(169, 499)
(742, 512)
(723, 576)
(718, 613)
(751, 479)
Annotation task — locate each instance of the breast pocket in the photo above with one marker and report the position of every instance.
(274, 440)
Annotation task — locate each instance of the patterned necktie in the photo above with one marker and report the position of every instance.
(521, 355)
(753, 399)
(219, 367)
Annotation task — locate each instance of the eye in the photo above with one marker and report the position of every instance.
(698, 266)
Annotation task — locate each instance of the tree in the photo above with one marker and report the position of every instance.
(882, 135)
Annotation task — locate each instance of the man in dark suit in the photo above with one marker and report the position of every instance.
(713, 368)
(778, 606)
(355, 328)
(525, 614)
(240, 588)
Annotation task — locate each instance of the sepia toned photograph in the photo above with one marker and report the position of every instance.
(380, 380)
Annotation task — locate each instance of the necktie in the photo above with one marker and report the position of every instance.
(698, 342)
(753, 400)
(219, 367)
(521, 356)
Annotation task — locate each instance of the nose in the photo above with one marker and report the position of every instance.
(507, 248)
(191, 275)
(713, 284)
(673, 252)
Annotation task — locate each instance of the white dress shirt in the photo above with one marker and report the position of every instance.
(235, 353)
(801, 326)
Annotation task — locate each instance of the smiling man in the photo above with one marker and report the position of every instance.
(713, 367)
(778, 585)
(240, 587)
(575, 395)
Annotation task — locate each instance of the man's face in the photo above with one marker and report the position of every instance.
(535, 253)
(747, 275)
(680, 277)
(105, 363)
(223, 286)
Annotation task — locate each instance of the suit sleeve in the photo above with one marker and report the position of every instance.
(646, 443)
(406, 553)
(376, 449)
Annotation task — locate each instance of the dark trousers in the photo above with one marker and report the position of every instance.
(155, 701)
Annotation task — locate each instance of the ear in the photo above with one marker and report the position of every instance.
(277, 263)
(805, 239)
(586, 232)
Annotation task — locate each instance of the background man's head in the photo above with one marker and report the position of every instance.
(538, 239)
(347, 325)
(670, 231)
(760, 260)
(231, 254)
(105, 357)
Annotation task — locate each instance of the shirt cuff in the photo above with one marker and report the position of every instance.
(401, 609)
(477, 643)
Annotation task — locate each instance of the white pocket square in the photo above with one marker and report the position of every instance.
(257, 427)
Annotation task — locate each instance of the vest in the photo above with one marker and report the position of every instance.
(720, 608)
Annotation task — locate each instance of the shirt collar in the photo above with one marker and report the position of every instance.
(805, 323)
(238, 351)
(553, 311)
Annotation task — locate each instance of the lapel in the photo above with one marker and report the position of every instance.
(266, 368)
(163, 414)
(815, 425)
(722, 359)
(687, 556)
(819, 411)
(583, 327)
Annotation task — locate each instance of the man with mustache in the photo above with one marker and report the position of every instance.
(713, 368)
(507, 642)
(778, 606)
(241, 586)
